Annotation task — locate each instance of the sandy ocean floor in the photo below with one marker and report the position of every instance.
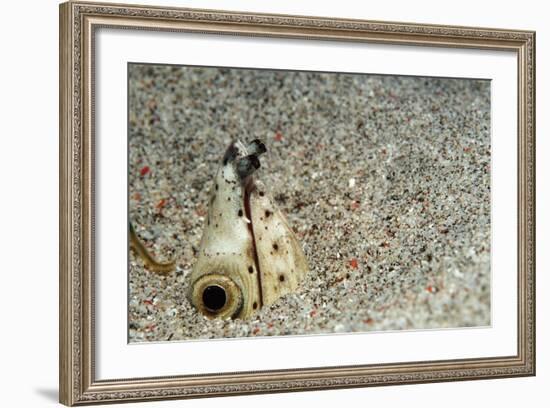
(386, 181)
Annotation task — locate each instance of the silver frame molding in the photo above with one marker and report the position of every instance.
(78, 22)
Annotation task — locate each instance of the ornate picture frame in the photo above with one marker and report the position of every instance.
(79, 22)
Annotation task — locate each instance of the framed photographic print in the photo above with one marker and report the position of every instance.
(260, 203)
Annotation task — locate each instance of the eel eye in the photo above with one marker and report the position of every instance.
(217, 295)
(214, 297)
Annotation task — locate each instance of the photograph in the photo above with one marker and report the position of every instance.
(269, 202)
(275, 204)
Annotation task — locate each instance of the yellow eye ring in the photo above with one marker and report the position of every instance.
(217, 296)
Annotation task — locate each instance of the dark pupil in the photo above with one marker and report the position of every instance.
(214, 298)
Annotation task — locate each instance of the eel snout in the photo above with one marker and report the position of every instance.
(244, 158)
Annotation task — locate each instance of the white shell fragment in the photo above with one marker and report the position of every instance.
(248, 255)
